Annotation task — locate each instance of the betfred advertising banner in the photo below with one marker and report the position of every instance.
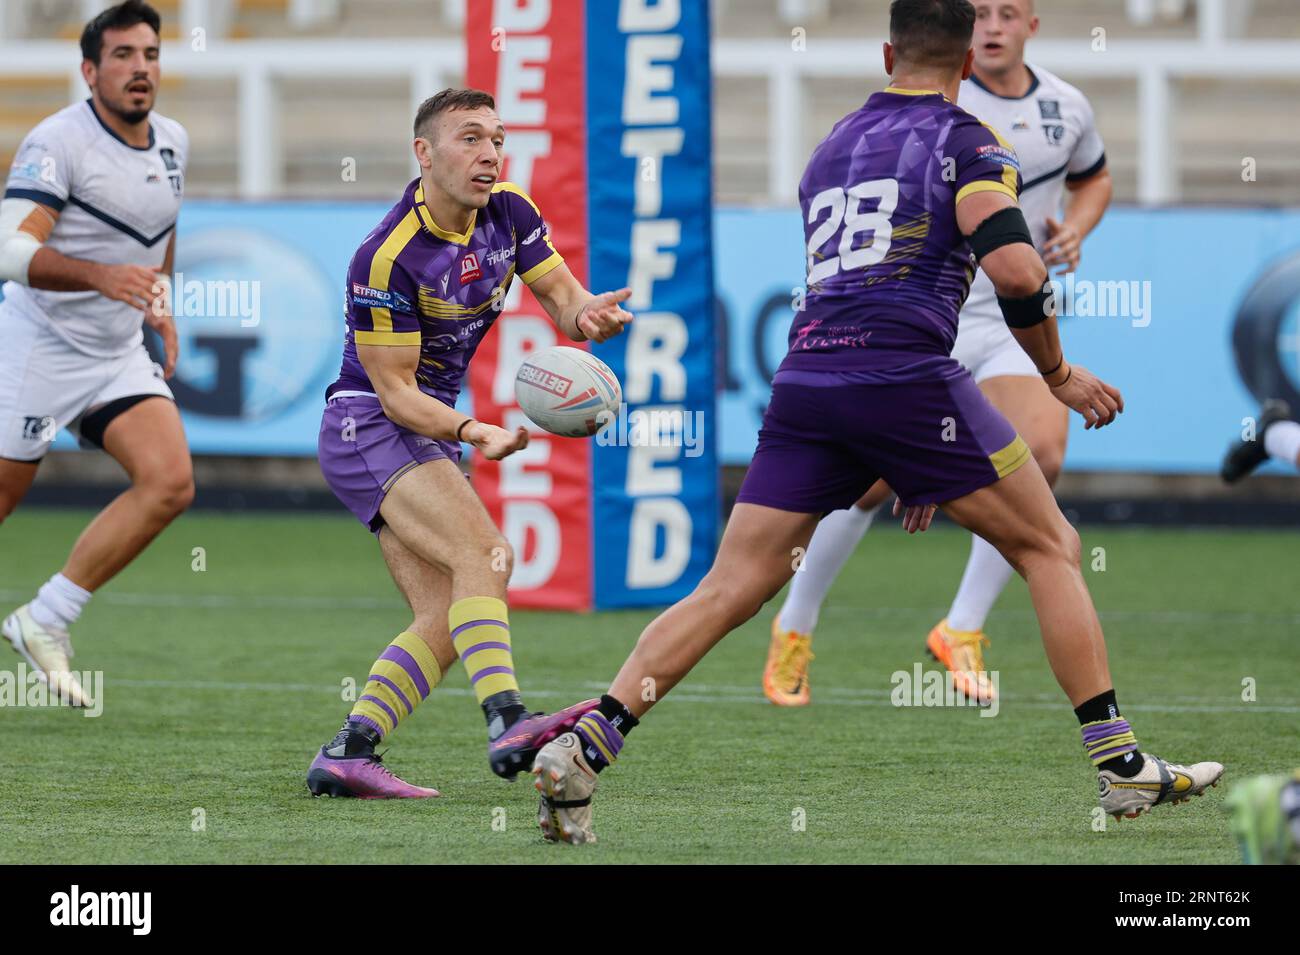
(606, 107)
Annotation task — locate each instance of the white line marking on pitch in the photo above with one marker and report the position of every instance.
(322, 602)
(700, 695)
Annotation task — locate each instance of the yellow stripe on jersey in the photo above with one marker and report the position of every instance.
(460, 238)
(902, 92)
(511, 187)
(386, 338)
(1010, 458)
(436, 307)
(987, 185)
(541, 268)
(381, 272)
(532, 274)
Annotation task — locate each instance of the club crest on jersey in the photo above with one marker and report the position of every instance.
(168, 157)
(469, 268)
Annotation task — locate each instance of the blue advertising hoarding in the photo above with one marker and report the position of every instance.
(1153, 311)
(254, 384)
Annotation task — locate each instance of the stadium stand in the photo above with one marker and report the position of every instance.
(368, 113)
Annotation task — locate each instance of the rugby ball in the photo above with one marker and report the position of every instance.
(563, 390)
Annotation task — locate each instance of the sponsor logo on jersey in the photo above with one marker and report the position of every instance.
(545, 380)
(1055, 133)
(24, 170)
(1049, 108)
(497, 256)
(469, 268)
(367, 297)
(998, 153)
(1019, 124)
(532, 236)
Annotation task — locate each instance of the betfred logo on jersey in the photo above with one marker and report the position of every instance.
(367, 297)
(469, 268)
(998, 153)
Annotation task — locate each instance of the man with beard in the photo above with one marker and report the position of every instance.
(87, 240)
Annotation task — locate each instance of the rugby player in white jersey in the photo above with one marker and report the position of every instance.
(1063, 167)
(86, 245)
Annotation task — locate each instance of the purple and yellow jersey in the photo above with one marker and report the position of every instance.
(888, 268)
(414, 283)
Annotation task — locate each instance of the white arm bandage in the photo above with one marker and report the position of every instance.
(17, 247)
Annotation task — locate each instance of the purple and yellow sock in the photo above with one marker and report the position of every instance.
(480, 632)
(402, 676)
(1108, 739)
(601, 742)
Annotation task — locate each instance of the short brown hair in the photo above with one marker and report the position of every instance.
(121, 17)
(450, 99)
(933, 33)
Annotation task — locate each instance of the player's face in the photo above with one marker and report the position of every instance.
(465, 161)
(1002, 27)
(126, 79)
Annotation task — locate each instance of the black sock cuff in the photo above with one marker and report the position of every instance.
(1103, 706)
(619, 716)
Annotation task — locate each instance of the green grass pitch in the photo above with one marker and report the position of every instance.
(220, 684)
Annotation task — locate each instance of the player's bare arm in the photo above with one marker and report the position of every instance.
(1019, 275)
(577, 313)
(392, 371)
(25, 227)
(1085, 204)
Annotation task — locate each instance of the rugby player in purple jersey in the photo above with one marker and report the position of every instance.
(422, 290)
(900, 201)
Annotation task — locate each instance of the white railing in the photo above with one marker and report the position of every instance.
(428, 65)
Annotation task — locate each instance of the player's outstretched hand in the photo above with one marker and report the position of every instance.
(602, 318)
(133, 284)
(497, 443)
(1098, 402)
(917, 517)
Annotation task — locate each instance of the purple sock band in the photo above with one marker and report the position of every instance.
(487, 645)
(1097, 731)
(407, 662)
(382, 705)
(488, 671)
(393, 686)
(479, 623)
(594, 726)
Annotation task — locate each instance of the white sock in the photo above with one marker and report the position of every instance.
(1282, 442)
(832, 543)
(59, 603)
(987, 573)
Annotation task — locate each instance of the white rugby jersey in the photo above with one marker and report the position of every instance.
(117, 206)
(1055, 137)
